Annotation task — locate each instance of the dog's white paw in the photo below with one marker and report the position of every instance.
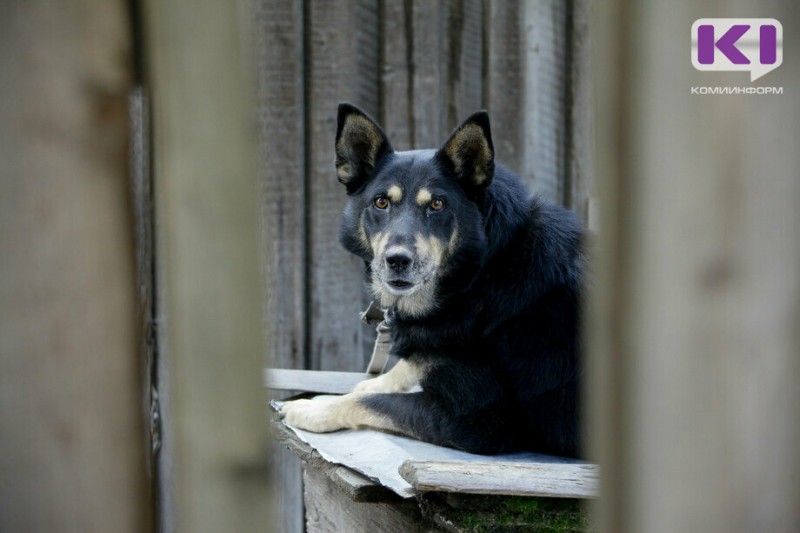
(320, 415)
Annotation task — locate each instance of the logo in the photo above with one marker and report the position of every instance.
(754, 45)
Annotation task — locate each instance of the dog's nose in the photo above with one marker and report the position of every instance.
(398, 259)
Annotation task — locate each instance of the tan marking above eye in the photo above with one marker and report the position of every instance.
(381, 202)
(424, 197)
(395, 193)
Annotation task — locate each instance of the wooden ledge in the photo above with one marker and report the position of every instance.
(379, 461)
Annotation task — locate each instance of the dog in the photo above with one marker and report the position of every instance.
(482, 285)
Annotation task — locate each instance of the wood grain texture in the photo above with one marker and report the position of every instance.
(695, 375)
(342, 57)
(545, 90)
(429, 75)
(329, 382)
(328, 509)
(279, 65)
(505, 91)
(72, 454)
(551, 480)
(397, 73)
(279, 53)
(208, 250)
(465, 55)
(579, 186)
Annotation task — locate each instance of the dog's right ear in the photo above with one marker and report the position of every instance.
(360, 143)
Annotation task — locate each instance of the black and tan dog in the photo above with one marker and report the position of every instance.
(482, 283)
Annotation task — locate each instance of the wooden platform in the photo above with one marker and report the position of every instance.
(368, 480)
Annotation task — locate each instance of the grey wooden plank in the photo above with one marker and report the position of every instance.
(397, 70)
(72, 450)
(279, 66)
(329, 382)
(545, 89)
(545, 479)
(278, 55)
(208, 255)
(342, 55)
(695, 369)
(465, 54)
(331, 509)
(504, 91)
(429, 75)
(579, 188)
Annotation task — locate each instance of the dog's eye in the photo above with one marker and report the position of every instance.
(381, 202)
(437, 205)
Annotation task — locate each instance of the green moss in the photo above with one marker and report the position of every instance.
(525, 514)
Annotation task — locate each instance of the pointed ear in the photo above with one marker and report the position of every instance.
(360, 143)
(471, 153)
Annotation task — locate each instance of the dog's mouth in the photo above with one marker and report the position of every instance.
(400, 286)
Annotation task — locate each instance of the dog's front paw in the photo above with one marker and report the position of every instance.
(319, 414)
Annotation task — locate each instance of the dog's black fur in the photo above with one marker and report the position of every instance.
(493, 329)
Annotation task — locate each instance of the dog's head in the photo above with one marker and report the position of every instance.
(414, 217)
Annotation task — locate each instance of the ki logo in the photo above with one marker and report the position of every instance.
(754, 45)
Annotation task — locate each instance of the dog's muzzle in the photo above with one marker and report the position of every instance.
(399, 265)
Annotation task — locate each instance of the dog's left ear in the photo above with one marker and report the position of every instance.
(360, 143)
(471, 153)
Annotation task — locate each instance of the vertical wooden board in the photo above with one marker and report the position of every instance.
(279, 67)
(465, 41)
(208, 255)
(342, 55)
(278, 55)
(544, 112)
(397, 72)
(71, 454)
(701, 285)
(579, 187)
(142, 191)
(504, 85)
(429, 22)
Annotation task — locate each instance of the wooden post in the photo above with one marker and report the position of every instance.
(696, 375)
(71, 454)
(214, 433)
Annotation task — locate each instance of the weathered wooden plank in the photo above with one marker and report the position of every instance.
(464, 48)
(279, 67)
(505, 97)
(72, 450)
(397, 72)
(281, 118)
(695, 342)
(579, 187)
(429, 73)
(545, 70)
(547, 479)
(328, 508)
(342, 55)
(208, 255)
(328, 382)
